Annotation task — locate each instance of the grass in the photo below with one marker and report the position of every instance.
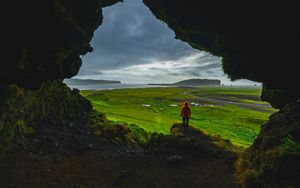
(157, 109)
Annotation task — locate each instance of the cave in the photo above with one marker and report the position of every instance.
(43, 42)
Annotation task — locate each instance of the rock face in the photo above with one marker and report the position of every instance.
(274, 158)
(256, 41)
(55, 119)
(43, 40)
(277, 98)
(43, 117)
(105, 3)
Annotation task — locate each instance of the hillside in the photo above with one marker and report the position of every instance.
(198, 82)
(75, 81)
(193, 82)
(153, 109)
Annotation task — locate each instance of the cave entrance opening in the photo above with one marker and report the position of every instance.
(135, 48)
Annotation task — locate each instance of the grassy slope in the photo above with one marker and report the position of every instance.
(238, 124)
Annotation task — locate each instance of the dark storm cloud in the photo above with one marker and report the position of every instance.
(189, 73)
(90, 72)
(194, 73)
(133, 46)
(131, 35)
(213, 65)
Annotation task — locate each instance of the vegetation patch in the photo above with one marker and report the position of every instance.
(239, 122)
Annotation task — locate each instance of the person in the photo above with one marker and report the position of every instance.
(185, 114)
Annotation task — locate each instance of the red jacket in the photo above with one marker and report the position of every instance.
(186, 110)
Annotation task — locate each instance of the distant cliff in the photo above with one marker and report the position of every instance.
(193, 82)
(89, 81)
(198, 82)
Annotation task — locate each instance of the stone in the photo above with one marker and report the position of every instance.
(173, 159)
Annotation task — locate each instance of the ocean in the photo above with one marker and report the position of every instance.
(109, 86)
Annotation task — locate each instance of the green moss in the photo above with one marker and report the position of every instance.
(24, 111)
(140, 133)
(291, 146)
(21, 123)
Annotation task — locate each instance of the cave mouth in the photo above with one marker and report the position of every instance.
(40, 115)
(132, 46)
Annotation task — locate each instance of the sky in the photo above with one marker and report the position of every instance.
(132, 46)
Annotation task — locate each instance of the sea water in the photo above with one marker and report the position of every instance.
(109, 86)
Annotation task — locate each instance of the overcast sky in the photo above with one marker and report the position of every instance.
(133, 46)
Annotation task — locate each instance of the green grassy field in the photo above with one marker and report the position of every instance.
(234, 113)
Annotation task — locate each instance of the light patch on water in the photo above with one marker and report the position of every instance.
(198, 104)
(195, 104)
(146, 105)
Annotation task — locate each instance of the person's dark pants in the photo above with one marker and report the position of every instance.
(185, 121)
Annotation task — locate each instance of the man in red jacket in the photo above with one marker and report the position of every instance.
(185, 114)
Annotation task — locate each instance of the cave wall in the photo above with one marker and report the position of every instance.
(274, 158)
(41, 44)
(43, 40)
(51, 111)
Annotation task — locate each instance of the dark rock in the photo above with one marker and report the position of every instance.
(175, 159)
(76, 186)
(274, 156)
(53, 185)
(105, 3)
(88, 148)
(75, 91)
(39, 119)
(49, 142)
(295, 135)
(277, 98)
(123, 174)
(54, 35)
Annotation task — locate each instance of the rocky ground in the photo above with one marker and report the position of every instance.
(187, 158)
